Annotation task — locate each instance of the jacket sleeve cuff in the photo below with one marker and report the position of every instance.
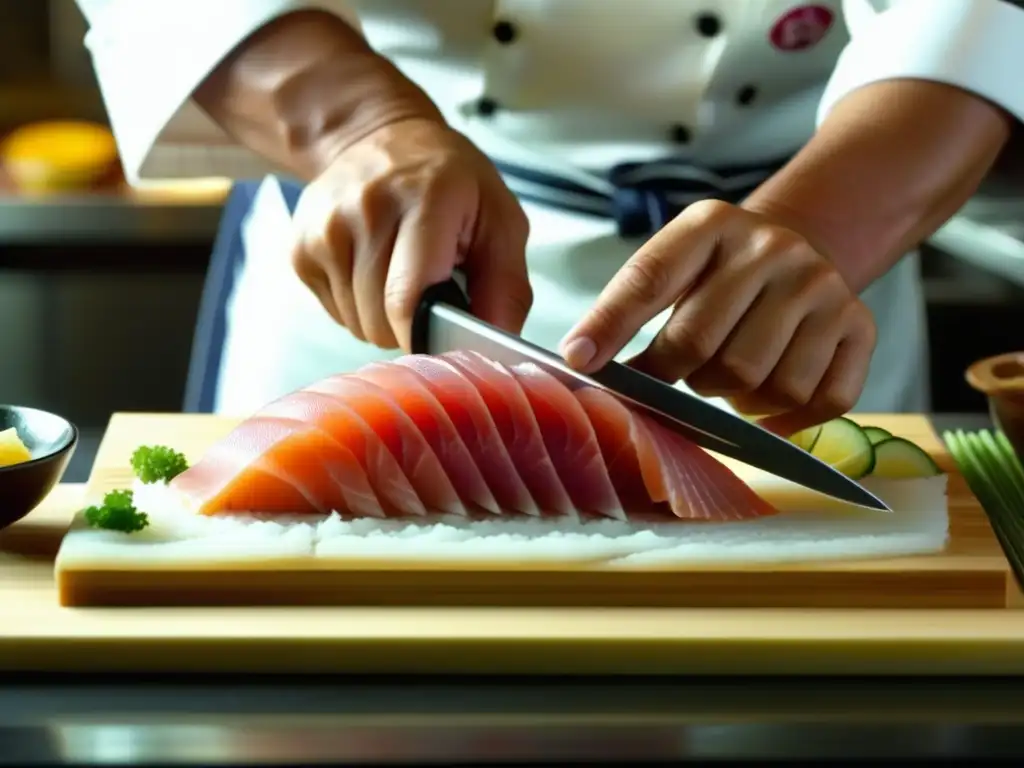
(975, 45)
(149, 58)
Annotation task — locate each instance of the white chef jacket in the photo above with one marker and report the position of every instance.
(571, 87)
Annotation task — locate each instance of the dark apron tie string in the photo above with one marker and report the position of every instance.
(644, 197)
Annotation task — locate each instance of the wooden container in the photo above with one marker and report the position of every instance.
(1001, 379)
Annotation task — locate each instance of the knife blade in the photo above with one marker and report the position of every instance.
(443, 323)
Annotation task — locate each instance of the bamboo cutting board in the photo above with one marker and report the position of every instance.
(971, 573)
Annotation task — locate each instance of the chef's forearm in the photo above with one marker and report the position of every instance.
(891, 163)
(305, 86)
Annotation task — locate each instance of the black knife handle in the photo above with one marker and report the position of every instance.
(446, 292)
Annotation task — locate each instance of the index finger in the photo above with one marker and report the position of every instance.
(651, 280)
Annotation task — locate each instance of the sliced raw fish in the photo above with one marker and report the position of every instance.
(394, 494)
(615, 436)
(509, 407)
(396, 430)
(416, 400)
(570, 441)
(457, 433)
(263, 465)
(693, 483)
(469, 414)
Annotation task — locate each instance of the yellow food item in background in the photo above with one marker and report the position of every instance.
(12, 450)
(58, 156)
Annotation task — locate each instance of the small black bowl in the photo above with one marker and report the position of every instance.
(51, 440)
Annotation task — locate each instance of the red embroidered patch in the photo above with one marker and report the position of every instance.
(801, 27)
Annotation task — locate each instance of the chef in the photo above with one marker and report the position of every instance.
(726, 193)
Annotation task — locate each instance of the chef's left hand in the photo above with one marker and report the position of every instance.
(760, 317)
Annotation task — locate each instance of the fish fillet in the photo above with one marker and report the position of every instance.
(264, 465)
(461, 434)
(412, 396)
(397, 431)
(394, 493)
(648, 460)
(469, 414)
(517, 426)
(571, 442)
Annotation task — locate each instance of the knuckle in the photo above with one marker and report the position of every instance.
(520, 296)
(440, 184)
(517, 221)
(708, 210)
(861, 320)
(376, 195)
(604, 322)
(780, 242)
(336, 239)
(403, 188)
(689, 342)
(835, 401)
(796, 394)
(647, 280)
(747, 373)
(827, 279)
(303, 263)
(818, 281)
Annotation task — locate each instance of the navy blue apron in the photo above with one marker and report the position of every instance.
(644, 197)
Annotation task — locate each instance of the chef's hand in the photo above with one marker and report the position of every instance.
(393, 213)
(759, 317)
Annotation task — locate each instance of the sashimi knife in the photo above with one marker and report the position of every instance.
(443, 323)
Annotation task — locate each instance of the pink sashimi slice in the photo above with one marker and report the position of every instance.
(416, 400)
(571, 442)
(468, 412)
(693, 483)
(457, 433)
(394, 494)
(263, 466)
(396, 430)
(518, 428)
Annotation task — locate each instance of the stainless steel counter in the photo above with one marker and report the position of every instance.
(497, 720)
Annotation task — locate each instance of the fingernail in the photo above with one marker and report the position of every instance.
(579, 352)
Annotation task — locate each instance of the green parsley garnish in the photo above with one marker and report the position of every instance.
(153, 463)
(117, 513)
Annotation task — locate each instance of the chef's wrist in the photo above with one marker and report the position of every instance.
(776, 208)
(893, 161)
(305, 86)
(319, 119)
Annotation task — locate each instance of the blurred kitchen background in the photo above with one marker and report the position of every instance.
(99, 285)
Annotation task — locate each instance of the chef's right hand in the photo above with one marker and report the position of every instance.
(393, 213)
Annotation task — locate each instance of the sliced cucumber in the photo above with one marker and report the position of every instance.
(806, 438)
(899, 459)
(843, 444)
(877, 434)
